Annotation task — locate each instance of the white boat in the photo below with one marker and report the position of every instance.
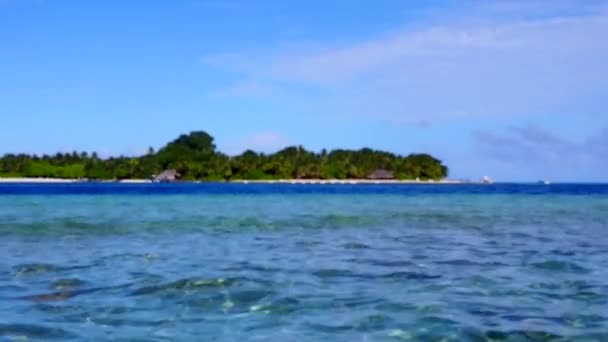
(487, 180)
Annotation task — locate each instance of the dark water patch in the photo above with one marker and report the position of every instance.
(249, 296)
(331, 328)
(590, 296)
(58, 308)
(69, 293)
(591, 337)
(344, 220)
(102, 315)
(130, 322)
(250, 267)
(548, 286)
(355, 302)
(582, 321)
(496, 335)
(35, 331)
(126, 257)
(526, 335)
(559, 266)
(457, 262)
(567, 285)
(388, 263)
(52, 297)
(409, 276)
(338, 273)
(142, 278)
(236, 224)
(68, 283)
(285, 305)
(533, 319)
(566, 253)
(390, 306)
(29, 269)
(156, 338)
(42, 268)
(12, 288)
(436, 322)
(355, 245)
(333, 273)
(308, 243)
(214, 302)
(185, 285)
(374, 322)
(49, 229)
(571, 290)
(481, 312)
(65, 295)
(482, 281)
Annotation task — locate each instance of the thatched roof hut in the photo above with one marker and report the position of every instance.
(381, 174)
(167, 176)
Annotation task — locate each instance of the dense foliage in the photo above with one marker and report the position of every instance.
(195, 157)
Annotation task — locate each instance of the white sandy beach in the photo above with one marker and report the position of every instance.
(352, 181)
(37, 180)
(241, 181)
(65, 180)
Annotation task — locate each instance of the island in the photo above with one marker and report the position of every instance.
(194, 157)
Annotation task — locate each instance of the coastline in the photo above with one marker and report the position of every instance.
(36, 180)
(351, 181)
(241, 181)
(68, 180)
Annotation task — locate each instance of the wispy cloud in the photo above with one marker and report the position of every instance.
(248, 88)
(263, 141)
(507, 58)
(223, 4)
(532, 147)
(19, 2)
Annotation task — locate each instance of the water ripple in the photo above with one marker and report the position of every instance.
(298, 266)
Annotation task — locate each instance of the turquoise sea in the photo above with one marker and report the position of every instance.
(228, 262)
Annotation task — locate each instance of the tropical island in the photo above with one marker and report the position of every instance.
(194, 157)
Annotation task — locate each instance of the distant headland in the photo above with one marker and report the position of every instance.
(193, 157)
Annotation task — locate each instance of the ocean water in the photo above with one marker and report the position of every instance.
(228, 262)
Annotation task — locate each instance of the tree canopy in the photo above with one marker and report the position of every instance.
(195, 157)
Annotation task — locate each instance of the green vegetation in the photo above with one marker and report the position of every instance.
(195, 157)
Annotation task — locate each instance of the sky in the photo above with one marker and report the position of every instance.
(512, 89)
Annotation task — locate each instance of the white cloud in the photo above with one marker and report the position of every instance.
(506, 58)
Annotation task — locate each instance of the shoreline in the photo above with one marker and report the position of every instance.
(36, 180)
(24, 180)
(352, 181)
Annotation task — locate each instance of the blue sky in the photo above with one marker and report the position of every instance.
(516, 90)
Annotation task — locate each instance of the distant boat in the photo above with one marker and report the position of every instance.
(544, 181)
(487, 180)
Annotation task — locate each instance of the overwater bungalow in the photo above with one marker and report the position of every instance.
(167, 176)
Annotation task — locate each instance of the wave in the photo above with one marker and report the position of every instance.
(35, 331)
